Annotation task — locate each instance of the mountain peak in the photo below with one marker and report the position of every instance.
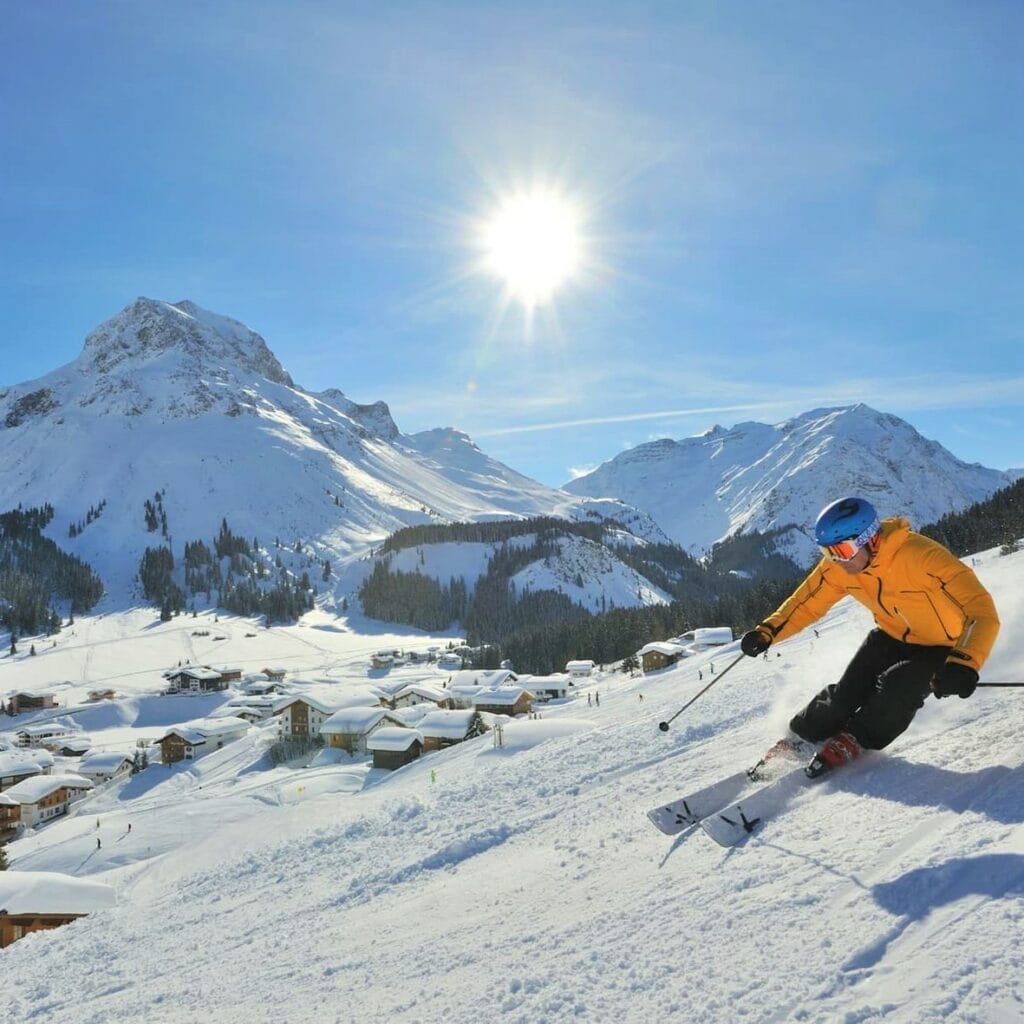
(149, 328)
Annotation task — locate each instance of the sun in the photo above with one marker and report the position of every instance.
(532, 243)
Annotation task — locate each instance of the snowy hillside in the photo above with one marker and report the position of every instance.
(175, 399)
(524, 883)
(585, 571)
(760, 477)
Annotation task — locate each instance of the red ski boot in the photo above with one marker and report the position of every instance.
(835, 751)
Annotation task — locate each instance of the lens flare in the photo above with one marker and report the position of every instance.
(532, 244)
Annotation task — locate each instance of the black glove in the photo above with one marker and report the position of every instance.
(954, 678)
(756, 642)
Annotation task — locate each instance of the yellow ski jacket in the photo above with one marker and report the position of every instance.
(917, 591)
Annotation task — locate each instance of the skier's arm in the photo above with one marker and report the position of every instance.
(805, 605)
(958, 583)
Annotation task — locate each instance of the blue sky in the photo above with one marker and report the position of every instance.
(786, 206)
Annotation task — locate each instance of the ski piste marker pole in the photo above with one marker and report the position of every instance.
(663, 726)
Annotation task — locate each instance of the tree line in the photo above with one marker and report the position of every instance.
(488, 532)
(233, 569)
(998, 521)
(35, 573)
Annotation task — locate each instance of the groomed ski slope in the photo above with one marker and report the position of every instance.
(526, 885)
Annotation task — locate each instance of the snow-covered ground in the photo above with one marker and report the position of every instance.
(524, 883)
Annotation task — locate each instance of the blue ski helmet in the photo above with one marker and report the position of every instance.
(847, 519)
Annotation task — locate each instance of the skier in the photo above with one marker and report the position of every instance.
(935, 626)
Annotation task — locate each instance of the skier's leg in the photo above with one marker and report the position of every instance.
(830, 710)
(898, 696)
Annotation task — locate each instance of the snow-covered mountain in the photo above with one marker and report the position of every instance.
(762, 477)
(175, 399)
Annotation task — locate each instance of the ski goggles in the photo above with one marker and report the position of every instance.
(844, 550)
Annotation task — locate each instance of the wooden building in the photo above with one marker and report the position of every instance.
(393, 747)
(45, 797)
(301, 716)
(442, 729)
(546, 688)
(349, 728)
(195, 679)
(48, 735)
(505, 700)
(10, 818)
(660, 654)
(419, 693)
(192, 740)
(32, 901)
(75, 747)
(27, 700)
(105, 766)
(17, 765)
(579, 669)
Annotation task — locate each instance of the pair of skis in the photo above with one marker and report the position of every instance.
(735, 807)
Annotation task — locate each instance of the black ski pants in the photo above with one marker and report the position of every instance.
(882, 689)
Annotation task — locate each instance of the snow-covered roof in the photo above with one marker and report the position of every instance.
(47, 729)
(196, 672)
(204, 728)
(412, 713)
(665, 647)
(30, 791)
(105, 761)
(446, 725)
(16, 763)
(79, 743)
(46, 892)
(293, 698)
(465, 690)
(422, 690)
(354, 720)
(480, 677)
(559, 680)
(713, 635)
(501, 696)
(393, 737)
(582, 664)
(8, 801)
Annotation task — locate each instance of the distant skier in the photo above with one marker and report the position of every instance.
(935, 627)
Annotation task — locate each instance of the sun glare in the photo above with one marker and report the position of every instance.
(532, 244)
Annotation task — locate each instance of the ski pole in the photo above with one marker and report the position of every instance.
(1001, 684)
(663, 726)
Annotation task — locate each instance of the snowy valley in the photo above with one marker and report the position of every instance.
(524, 883)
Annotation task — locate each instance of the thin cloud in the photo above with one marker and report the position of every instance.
(632, 418)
